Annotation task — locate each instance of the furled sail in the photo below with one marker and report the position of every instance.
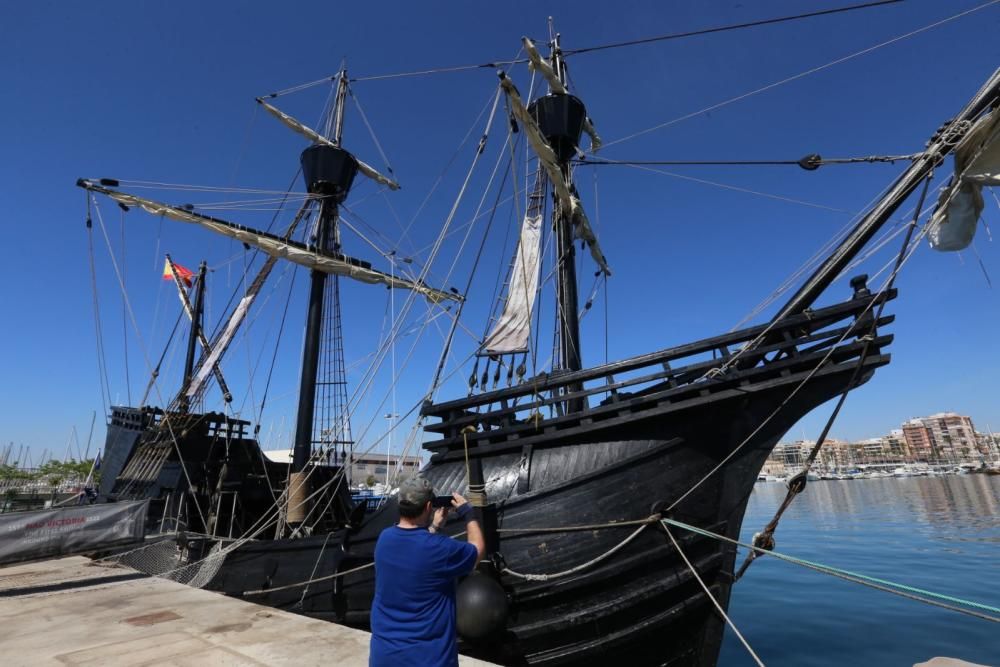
(279, 247)
(977, 164)
(316, 137)
(547, 157)
(514, 325)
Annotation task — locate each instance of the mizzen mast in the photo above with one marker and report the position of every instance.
(197, 315)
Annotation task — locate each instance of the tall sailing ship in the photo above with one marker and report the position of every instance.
(571, 468)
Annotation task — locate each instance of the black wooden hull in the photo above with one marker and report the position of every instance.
(642, 604)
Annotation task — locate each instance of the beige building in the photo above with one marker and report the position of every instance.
(366, 466)
(836, 454)
(895, 446)
(375, 467)
(943, 436)
(919, 441)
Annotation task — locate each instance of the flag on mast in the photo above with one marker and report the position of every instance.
(184, 274)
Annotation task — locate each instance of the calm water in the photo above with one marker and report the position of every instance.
(937, 533)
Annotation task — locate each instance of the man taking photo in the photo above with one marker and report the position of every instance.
(416, 573)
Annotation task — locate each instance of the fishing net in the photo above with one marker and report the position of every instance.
(166, 559)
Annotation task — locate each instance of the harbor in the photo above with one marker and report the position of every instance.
(936, 533)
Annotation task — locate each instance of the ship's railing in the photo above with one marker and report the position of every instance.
(694, 367)
(134, 418)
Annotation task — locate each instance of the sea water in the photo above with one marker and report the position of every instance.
(937, 533)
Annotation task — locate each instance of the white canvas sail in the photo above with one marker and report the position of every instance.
(977, 164)
(514, 325)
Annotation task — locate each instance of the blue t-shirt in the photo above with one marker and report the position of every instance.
(413, 613)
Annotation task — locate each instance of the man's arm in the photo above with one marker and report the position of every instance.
(440, 517)
(473, 531)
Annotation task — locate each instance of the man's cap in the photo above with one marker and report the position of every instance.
(416, 492)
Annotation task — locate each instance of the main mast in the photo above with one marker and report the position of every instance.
(561, 117)
(329, 172)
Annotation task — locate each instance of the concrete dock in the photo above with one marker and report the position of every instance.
(71, 612)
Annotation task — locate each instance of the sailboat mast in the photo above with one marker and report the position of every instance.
(316, 163)
(568, 309)
(196, 317)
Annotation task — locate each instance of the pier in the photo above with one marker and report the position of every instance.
(73, 612)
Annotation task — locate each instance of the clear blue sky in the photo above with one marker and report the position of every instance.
(164, 92)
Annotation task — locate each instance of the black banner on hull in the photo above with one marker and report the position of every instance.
(69, 530)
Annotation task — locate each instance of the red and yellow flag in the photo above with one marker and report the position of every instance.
(184, 274)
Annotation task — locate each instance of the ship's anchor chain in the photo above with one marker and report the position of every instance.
(765, 538)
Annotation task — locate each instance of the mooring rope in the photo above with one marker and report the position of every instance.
(904, 590)
(310, 581)
(582, 566)
(715, 603)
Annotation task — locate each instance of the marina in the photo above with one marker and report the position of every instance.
(425, 367)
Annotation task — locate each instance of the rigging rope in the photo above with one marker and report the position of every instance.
(457, 316)
(142, 346)
(408, 303)
(811, 262)
(765, 538)
(156, 371)
(898, 266)
(371, 130)
(802, 74)
(727, 28)
(798, 387)
(102, 368)
(570, 52)
(810, 162)
(128, 379)
(736, 188)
